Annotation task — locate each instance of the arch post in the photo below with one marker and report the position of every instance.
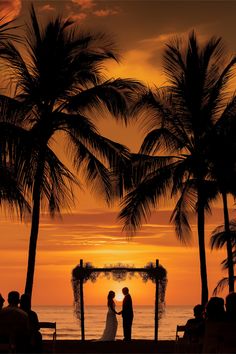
(156, 304)
(82, 303)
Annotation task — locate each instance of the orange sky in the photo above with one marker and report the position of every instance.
(91, 232)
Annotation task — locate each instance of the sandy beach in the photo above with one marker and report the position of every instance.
(135, 346)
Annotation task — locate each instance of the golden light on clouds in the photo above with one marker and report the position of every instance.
(10, 9)
(96, 238)
(84, 4)
(78, 17)
(105, 12)
(47, 8)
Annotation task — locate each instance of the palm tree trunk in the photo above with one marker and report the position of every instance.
(202, 251)
(34, 230)
(228, 243)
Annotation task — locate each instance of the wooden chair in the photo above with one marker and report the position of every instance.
(53, 327)
(179, 339)
(179, 329)
(182, 345)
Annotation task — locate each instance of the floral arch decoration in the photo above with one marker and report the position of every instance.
(84, 272)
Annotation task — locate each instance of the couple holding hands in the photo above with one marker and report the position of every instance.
(110, 330)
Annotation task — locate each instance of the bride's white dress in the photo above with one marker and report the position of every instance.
(109, 333)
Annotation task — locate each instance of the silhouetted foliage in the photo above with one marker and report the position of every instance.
(178, 121)
(59, 83)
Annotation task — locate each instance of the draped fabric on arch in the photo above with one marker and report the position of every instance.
(118, 272)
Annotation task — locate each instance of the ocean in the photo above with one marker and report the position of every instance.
(68, 327)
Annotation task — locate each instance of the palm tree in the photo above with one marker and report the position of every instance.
(220, 238)
(179, 120)
(223, 168)
(11, 191)
(60, 85)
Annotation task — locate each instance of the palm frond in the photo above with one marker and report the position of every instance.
(61, 61)
(116, 95)
(83, 131)
(96, 175)
(6, 34)
(225, 262)
(11, 194)
(185, 205)
(157, 113)
(18, 70)
(161, 140)
(136, 205)
(57, 184)
(219, 235)
(216, 96)
(221, 285)
(143, 165)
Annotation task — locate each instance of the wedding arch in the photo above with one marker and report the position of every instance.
(85, 271)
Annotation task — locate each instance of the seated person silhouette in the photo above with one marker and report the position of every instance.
(35, 345)
(215, 320)
(228, 330)
(14, 324)
(2, 300)
(230, 305)
(194, 328)
(215, 310)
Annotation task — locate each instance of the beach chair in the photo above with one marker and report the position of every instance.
(53, 327)
(179, 329)
(179, 338)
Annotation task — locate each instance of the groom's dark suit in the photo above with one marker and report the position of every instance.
(127, 314)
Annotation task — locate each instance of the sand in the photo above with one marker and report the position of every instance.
(135, 346)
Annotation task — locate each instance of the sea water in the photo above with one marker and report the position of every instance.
(68, 326)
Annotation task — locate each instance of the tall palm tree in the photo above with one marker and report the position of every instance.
(219, 238)
(223, 170)
(60, 85)
(179, 120)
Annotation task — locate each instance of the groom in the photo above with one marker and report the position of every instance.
(127, 314)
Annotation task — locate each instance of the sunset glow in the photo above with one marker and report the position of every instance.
(119, 296)
(90, 230)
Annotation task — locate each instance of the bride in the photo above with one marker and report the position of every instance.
(109, 333)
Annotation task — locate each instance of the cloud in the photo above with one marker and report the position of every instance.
(78, 17)
(10, 9)
(47, 8)
(84, 4)
(160, 40)
(105, 12)
(144, 60)
(88, 8)
(155, 45)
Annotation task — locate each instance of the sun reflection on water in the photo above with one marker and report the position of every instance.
(119, 296)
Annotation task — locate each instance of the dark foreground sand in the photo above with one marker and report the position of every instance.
(135, 346)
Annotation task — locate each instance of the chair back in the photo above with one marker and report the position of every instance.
(179, 329)
(53, 326)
